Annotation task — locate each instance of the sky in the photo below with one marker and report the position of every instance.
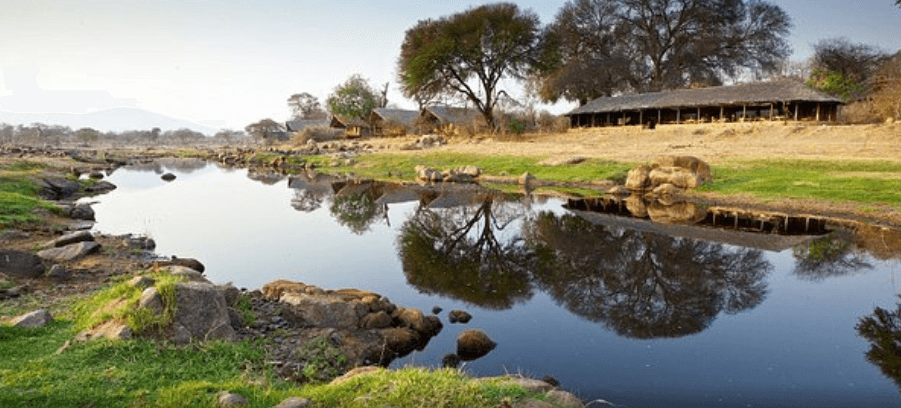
(228, 63)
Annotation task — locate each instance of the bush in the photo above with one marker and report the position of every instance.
(318, 134)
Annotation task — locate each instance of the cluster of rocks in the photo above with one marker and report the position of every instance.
(668, 176)
(426, 142)
(464, 174)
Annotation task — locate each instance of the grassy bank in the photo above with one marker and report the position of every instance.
(143, 373)
(18, 194)
(867, 182)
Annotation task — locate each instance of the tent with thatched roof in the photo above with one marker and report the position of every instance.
(352, 127)
(450, 118)
(783, 99)
(387, 121)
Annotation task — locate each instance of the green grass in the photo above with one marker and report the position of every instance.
(144, 373)
(388, 166)
(18, 194)
(92, 311)
(875, 182)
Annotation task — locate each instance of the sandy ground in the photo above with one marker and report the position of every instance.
(710, 142)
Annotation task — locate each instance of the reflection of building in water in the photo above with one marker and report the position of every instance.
(643, 284)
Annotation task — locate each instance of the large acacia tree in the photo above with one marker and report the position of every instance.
(600, 47)
(468, 53)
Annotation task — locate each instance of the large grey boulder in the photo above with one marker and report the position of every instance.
(19, 264)
(37, 318)
(69, 252)
(472, 344)
(58, 188)
(677, 176)
(200, 313)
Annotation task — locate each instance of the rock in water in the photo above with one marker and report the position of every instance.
(472, 344)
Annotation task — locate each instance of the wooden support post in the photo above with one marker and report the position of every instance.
(744, 113)
(678, 115)
(772, 105)
(699, 115)
(659, 116)
(624, 118)
(818, 111)
(721, 113)
(592, 119)
(641, 118)
(608, 118)
(796, 112)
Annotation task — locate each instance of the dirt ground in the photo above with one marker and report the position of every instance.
(710, 142)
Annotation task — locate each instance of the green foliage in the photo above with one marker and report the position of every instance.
(18, 195)
(355, 211)
(467, 53)
(516, 126)
(355, 98)
(834, 84)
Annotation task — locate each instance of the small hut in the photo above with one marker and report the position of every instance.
(392, 122)
(775, 100)
(449, 119)
(353, 128)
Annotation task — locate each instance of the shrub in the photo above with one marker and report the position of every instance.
(317, 133)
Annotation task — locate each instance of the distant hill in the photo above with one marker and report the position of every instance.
(115, 119)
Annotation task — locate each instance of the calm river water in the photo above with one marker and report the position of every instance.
(637, 318)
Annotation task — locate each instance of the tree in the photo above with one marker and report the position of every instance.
(265, 129)
(857, 62)
(600, 47)
(468, 53)
(355, 98)
(882, 330)
(306, 106)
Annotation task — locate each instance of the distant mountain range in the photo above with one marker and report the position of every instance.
(115, 119)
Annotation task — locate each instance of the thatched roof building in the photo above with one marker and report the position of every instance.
(352, 127)
(450, 118)
(392, 121)
(784, 99)
(299, 125)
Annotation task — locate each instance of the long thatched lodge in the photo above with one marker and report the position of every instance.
(776, 100)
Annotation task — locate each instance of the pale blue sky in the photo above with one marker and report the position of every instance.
(229, 63)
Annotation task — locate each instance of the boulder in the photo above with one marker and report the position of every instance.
(563, 399)
(151, 299)
(356, 372)
(58, 271)
(101, 187)
(58, 188)
(378, 320)
(96, 174)
(187, 273)
(693, 164)
(450, 360)
(274, 290)
(664, 192)
(322, 310)
(21, 265)
(168, 177)
(37, 318)
(231, 400)
(201, 312)
(636, 206)
(142, 282)
(400, 341)
(111, 330)
(638, 178)
(459, 316)
(81, 212)
(71, 238)
(426, 174)
(677, 176)
(473, 344)
(69, 252)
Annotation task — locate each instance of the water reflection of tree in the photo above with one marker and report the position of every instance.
(458, 252)
(883, 330)
(830, 256)
(307, 200)
(356, 211)
(640, 284)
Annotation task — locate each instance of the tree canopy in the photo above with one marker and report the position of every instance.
(855, 61)
(599, 47)
(354, 98)
(306, 106)
(265, 129)
(468, 53)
